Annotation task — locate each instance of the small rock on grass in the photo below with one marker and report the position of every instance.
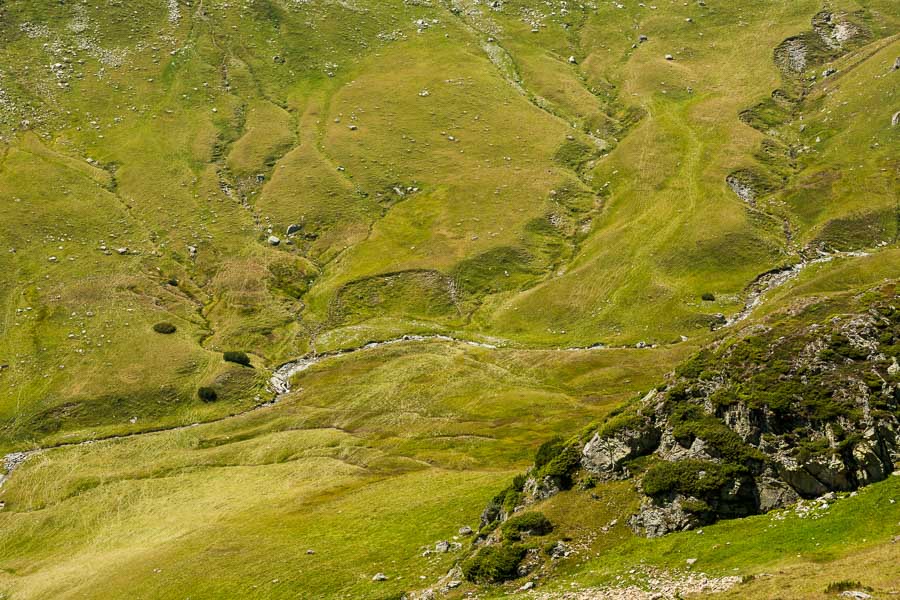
(379, 577)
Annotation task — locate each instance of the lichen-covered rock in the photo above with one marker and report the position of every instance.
(775, 493)
(537, 489)
(804, 405)
(655, 520)
(606, 455)
(795, 410)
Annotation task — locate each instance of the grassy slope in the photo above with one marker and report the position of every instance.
(213, 130)
(512, 234)
(782, 554)
(364, 476)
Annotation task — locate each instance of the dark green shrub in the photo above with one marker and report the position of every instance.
(494, 564)
(692, 477)
(563, 466)
(240, 358)
(173, 282)
(518, 482)
(841, 345)
(548, 451)
(164, 328)
(691, 368)
(619, 423)
(708, 297)
(534, 523)
(836, 587)
(695, 506)
(207, 394)
(512, 499)
(506, 500)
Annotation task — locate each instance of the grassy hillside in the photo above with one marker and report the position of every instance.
(591, 190)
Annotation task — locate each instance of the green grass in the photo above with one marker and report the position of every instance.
(367, 460)
(578, 202)
(775, 548)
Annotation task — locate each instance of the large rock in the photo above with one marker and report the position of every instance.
(543, 488)
(774, 493)
(655, 520)
(606, 456)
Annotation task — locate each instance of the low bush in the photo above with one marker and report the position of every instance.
(708, 297)
(237, 357)
(562, 467)
(548, 451)
(207, 394)
(533, 523)
(164, 328)
(695, 506)
(494, 564)
(691, 477)
(836, 587)
(621, 422)
(691, 421)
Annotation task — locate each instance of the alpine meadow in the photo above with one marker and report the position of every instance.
(446, 299)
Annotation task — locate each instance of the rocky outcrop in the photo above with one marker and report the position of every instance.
(796, 410)
(655, 519)
(742, 188)
(541, 488)
(606, 455)
(804, 405)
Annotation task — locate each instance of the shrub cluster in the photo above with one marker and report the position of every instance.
(690, 477)
(548, 451)
(836, 587)
(621, 422)
(207, 394)
(494, 564)
(164, 328)
(237, 357)
(531, 523)
(691, 421)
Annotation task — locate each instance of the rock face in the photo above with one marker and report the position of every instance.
(806, 405)
(607, 455)
(542, 488)
(742, 188)
(791, 55)
(796, 411)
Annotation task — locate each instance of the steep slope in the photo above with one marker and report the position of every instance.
(795, 412)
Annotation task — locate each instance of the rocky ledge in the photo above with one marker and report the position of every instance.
(804, 405)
